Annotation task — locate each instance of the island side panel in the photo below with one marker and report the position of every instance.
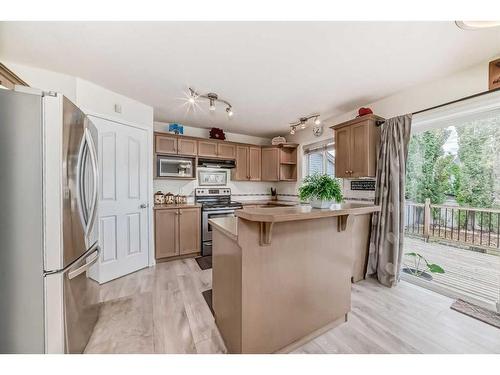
(226, 288)
(298, 284)
(360, 245)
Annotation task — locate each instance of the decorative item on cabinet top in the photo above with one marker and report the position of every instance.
(278, 140)
(175, 128)
(216, 133)
(494, 75)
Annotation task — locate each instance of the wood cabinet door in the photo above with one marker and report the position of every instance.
(207, 148)
(254, 163)
(359, 150)
(166, 227)
(270, 165)
(342, 152)
(189, 230)
(241, 170)
(226, 151)
(165, 144)
(187, 147)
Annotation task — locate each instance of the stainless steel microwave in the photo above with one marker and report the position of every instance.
(172, 166)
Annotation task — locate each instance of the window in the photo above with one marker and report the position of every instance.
(319, 158)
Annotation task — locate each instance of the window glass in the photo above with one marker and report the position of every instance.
(315, 164)
(330, 163)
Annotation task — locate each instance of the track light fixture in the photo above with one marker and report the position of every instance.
(302, 123)
(212, 100)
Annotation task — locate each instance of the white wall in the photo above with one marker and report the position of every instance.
(90, 97)
(45, 79)
(468, 82)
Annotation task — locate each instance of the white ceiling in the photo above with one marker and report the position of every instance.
(271, 72)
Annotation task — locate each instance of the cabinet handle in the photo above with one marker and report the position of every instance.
(346, 172)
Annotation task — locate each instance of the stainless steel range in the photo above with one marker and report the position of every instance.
(216, 202)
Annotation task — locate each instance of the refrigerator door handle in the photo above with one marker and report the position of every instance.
(79, 185)
(83, 268)
(95, 172)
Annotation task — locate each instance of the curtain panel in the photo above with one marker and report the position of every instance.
(387, 232)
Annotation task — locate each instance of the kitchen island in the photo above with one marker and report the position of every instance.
(282, 275)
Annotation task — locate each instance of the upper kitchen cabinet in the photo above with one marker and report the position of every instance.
(356, 146)
(248, 163)
(216, 149)
(176, 145)
(279, 163)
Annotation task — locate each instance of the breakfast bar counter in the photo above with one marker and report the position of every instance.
(282, 275)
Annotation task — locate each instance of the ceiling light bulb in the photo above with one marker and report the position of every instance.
(292, 131)
(317, 121)
(229, 112)
(303, 126)
(191, 100)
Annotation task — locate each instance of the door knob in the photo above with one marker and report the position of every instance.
(144, 205)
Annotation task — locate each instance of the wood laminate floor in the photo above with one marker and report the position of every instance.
(161, 310)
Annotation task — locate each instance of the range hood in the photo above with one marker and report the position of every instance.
(216, 163)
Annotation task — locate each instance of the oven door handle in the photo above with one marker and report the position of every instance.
(208, 212)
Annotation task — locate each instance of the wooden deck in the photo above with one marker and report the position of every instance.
(468, 274)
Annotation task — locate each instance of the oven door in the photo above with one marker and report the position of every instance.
(207, 229)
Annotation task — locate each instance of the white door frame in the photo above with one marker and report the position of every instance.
(149, 130)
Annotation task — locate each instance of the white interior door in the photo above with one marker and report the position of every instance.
(123, 209)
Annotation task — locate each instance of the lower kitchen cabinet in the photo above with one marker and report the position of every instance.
(189, 230)
(177, 232)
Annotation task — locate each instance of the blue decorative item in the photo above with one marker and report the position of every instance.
(175, 128)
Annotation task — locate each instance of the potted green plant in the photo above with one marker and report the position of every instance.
(320, 190)
(420, 267)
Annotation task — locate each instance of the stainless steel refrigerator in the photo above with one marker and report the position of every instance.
(48, 226)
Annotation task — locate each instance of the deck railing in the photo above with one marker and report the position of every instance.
(477, 227)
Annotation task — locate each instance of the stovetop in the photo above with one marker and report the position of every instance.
(215, 198)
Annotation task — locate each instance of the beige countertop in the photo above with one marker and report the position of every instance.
(227, 225)
(172, 206)
(304, 212)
